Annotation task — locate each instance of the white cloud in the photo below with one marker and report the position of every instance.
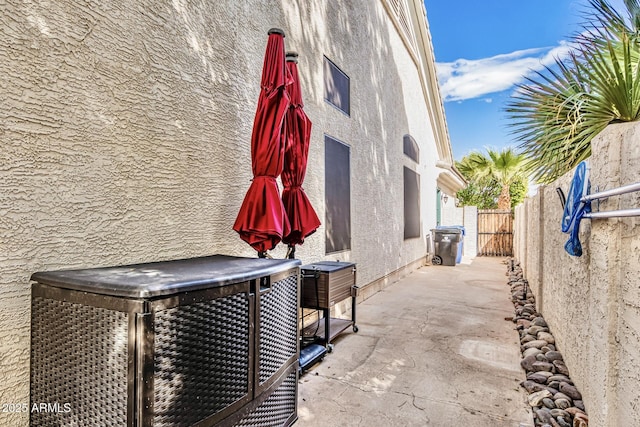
(467, 79)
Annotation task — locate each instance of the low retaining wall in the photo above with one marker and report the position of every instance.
(592, 303)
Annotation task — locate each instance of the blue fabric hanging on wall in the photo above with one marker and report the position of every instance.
(575, 208)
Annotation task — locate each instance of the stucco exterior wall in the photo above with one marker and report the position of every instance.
(470, 214)
(592, 303)
(385, 106)
(466, 216)
(451, 214)
(126, 138)
(535, 239)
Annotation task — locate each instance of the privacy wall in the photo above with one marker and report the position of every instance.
(592, 303)
(125, 136)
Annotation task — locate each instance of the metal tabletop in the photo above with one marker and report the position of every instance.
(165, 278)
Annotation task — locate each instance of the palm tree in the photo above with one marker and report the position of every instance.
(557, 114)
(505, 166)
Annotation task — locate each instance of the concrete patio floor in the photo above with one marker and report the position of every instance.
(433, 349)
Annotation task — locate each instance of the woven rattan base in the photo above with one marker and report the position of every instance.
(220, 356)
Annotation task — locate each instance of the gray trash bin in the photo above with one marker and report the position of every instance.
(447, 242)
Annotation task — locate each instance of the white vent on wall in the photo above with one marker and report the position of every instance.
(400, 11)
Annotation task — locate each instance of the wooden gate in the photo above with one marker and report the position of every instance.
(495, 232)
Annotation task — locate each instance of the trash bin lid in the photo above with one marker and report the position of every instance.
(449, 228)
(328, 266)
(166, 277)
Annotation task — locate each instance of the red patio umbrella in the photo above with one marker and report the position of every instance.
(262, 220)
(302, 217)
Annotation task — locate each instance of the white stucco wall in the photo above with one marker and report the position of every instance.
(466, 216)
(385, 105)
(592, 303)
(125, 138)
(470, 215)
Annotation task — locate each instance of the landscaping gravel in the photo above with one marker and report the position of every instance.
(552, 395)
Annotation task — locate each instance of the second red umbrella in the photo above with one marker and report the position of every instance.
(302, 217)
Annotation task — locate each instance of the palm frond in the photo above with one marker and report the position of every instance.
(557, 113)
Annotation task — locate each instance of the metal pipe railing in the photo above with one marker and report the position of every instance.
(613, 192)
(613, 214)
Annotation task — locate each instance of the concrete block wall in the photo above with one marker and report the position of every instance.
(592, 302)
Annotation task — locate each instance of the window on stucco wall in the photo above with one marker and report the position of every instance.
(411, 189)
(337, 190)
(337, 87)
(410, 148)
(411, 204)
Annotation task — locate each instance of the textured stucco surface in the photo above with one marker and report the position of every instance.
(125, 138)
(470, 248)
(466, 216)
(592, 303)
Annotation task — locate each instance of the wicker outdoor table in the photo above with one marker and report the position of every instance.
(192, 342)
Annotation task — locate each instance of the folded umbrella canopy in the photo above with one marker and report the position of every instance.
(262, 221)
(575, 208)
(302, 217)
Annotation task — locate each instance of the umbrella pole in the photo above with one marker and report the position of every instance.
(264, 254)
(291, 253)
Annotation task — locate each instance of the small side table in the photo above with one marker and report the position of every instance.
(324, 284)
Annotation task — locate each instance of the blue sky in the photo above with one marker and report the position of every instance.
(483, 49)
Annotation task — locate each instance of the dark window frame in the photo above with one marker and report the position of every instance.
(411, 213)
(410, 148)
(337, 196)
(327, 95)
